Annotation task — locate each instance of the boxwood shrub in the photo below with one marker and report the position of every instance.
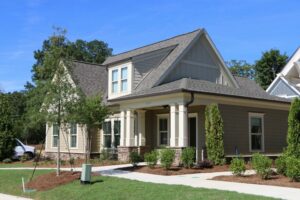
(237, 166)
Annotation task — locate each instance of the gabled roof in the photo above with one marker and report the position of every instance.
(181, 44)
(90, 78)
(247, 89)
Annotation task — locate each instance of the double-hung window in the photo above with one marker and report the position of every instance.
(256, 131)
(124, 80)
(107, 134)
(73, 135)
(117, 125)
(55, 135)
(163, 131)
(115, 80)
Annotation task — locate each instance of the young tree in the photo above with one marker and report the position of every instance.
(214, 134)
(241, 68)
(293, 136)
(268, 66)
(61, 97)
(90, 112)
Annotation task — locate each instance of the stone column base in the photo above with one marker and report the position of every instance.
(124, 152)
(178, 151)
(143, 149)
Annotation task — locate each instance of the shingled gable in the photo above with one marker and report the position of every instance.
(181, 43)
(90, 78)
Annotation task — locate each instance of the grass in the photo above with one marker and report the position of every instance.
(110, 188)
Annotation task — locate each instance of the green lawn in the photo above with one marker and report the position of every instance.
(113, 188)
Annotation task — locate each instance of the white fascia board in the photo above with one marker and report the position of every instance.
(273, 83)
(290, 64)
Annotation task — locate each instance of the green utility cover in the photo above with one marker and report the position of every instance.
(86, 173)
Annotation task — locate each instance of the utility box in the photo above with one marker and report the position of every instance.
(86, 174)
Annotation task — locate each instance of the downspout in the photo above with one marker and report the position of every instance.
(191, 100)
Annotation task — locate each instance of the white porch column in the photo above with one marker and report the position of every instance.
(129, 128)
(122, 128)
(141, 127)
(173, 125)
(183, 128)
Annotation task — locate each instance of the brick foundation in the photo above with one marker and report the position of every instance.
(124, 152)
(66, 156)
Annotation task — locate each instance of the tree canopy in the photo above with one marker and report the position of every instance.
(241, 68)
(266, 68)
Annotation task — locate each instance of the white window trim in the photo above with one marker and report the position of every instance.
(119, 67)
(163, 116)
(261, 115)
(70, 137)
(52, 136)
(112, 121)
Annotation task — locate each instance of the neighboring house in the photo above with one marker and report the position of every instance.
(158, 94)
(287, 82)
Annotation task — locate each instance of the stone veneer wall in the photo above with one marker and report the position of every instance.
(66, 156)
(124, 152)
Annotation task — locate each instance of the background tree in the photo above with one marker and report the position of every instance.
(293, 136)
(214, 134)
(268, 66)
(241, 68)
(56, 48)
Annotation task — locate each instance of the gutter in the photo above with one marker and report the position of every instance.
(190, 101)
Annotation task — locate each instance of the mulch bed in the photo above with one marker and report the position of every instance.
(174, 170)
(275, 180)
(50, 180)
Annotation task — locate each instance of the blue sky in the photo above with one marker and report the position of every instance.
(240, 29)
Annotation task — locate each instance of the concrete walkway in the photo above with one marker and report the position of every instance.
(200, 180)
(10, 197)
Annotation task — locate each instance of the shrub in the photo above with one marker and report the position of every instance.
(293, 168)
(204, 164)
(188, 156)
(214, 134)
(7, 160)
(293, 144)
(262, 165)
(72, 161)
(7, 144)
(151, 158)
(24, 157)
(280, 164)
(167, 157)
(237, 166)
(134, 158)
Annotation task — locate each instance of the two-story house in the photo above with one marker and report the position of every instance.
(158, 94)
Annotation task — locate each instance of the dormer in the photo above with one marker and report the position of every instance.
(119, 79)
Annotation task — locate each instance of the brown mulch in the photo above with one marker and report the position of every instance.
(174, 170)
(275, 180)
(50, 180)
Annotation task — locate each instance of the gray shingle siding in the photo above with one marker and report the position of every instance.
(281, 88)
(143, 64)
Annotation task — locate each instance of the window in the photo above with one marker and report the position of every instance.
(256, 131)
(73, 135)
(55, 135)
(107, 134)
(115, 81)
(117, 125)
(163, 131)
(124, 79)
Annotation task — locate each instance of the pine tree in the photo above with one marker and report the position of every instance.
(293, 136)
(214, 134)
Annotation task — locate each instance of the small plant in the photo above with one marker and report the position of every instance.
(151, 158)
(134, 158)
(188, 157)
(262, 165)
(24, 157)
(237, 166)
(63, 162)
(7, 160)
(280, 164)
(167, 158)
(72, 161)
(293, 168)
(204, 164)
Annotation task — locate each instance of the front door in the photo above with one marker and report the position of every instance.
(192, 123)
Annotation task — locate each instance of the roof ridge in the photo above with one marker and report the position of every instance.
(170, 38)
(85, 62)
